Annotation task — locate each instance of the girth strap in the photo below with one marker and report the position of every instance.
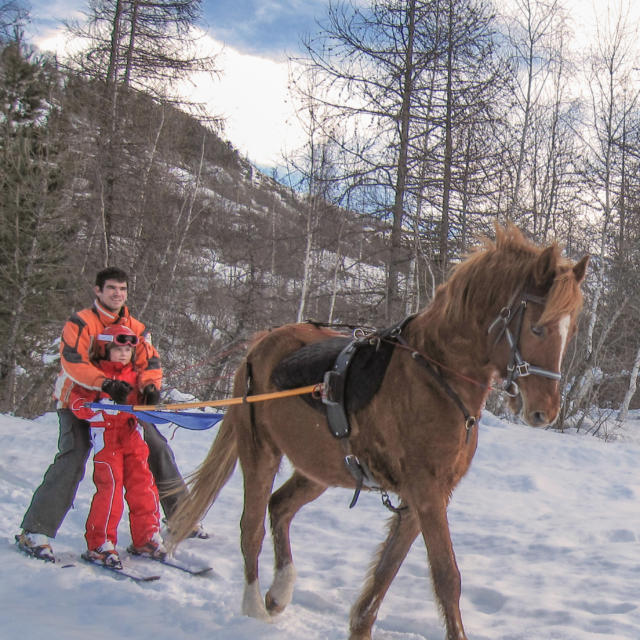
(333, 392)
(334, 398)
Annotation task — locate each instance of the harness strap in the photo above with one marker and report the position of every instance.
(469, 420)
(333, 392)
(333, 397)
(335, 380)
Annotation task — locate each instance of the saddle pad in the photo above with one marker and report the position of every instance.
(308, 365)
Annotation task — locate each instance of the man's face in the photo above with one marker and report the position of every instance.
(113, 295)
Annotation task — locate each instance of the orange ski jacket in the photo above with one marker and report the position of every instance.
(77, 348)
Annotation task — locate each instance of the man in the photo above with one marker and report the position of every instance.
(54, 497)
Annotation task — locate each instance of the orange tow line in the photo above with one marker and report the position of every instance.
(260, 397)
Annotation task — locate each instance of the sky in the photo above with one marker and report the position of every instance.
(545, 526)
(253, 39)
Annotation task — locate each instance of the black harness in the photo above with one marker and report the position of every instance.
(334, 398)
(335, 381)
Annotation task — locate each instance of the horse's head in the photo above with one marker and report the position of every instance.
(530, 335)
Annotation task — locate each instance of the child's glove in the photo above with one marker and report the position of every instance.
(118, 390)
(150, 395)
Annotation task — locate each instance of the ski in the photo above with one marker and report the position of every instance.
(125, 572)
(176, 564)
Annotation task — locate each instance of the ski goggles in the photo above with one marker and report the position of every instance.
(121, 338)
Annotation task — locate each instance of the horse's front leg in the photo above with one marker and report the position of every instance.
(403, 530)
(444, 570)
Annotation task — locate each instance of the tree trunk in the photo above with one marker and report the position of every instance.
(396, 255)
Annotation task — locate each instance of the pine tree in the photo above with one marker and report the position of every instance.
(32, 234)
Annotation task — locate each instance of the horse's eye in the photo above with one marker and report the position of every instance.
(537, 330)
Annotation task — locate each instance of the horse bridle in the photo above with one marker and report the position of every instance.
(517, 367)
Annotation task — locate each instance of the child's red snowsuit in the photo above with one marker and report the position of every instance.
(119, 461)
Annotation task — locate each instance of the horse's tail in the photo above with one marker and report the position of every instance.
(205, 483)
(210, 477)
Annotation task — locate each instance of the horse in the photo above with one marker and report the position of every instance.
(507, 311)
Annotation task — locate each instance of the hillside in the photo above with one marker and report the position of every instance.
(216, 249)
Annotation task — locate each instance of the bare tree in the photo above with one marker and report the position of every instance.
(613, 99)
(132, 45)
(400, 73)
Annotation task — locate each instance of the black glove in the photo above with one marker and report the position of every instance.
(150, 395)
(118, 390)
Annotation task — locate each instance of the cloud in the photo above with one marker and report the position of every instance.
(252, 95)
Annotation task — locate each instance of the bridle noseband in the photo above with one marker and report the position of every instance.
(517, 367)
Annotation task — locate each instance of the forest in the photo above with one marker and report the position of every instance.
(426, 123)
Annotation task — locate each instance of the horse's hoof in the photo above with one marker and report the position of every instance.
(273, 606)
(281, 591)
(252, 605)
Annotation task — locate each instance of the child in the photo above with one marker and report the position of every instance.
(119, 459)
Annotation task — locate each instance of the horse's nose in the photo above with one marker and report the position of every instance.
(539, 418)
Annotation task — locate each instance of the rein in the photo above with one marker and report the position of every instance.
(246, 399)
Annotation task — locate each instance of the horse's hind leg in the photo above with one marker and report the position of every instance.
(259, 469)
(283, 506)
(403, 530)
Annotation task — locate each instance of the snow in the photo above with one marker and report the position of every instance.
(546, 528)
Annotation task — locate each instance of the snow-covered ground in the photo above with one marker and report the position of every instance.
(546, 528)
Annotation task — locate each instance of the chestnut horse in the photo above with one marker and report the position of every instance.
(507, 311)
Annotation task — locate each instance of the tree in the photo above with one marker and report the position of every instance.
(366, 61)
(612, 105)
(12, 18)
(132, 46)
(32, 231)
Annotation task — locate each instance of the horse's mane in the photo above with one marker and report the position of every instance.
(497, 270)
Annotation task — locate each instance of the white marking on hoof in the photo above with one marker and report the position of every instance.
(252, 604)
(281, 591)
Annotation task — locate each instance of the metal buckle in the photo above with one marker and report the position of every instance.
(331, 388)
(469, 424)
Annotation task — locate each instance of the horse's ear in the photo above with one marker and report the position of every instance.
(580, 269)
(544, 270)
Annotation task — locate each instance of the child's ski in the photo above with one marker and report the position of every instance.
(125, 572)
(177, 564)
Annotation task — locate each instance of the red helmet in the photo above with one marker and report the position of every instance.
(115, 334)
